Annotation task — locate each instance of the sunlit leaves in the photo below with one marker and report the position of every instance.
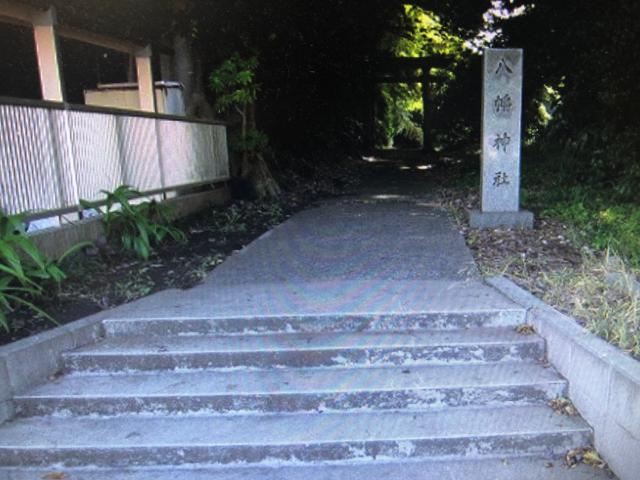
(233, 82)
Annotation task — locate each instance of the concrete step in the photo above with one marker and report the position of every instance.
(132, 441)
(292, 390)
(487, 469)
(327, 349)
(508, 316)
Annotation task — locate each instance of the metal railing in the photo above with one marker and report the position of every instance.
(52, 155)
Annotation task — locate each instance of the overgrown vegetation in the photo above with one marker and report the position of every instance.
(567, 259)
(604, 294)
(139, 227)
(236, 90)
(603, 215)
(418, 32)
(25, 272)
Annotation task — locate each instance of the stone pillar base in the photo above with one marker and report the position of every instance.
(522, 220)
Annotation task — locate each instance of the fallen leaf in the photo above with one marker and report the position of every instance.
(55, 476)
(593, 459)
(525, 329)
(563, 406)
(586, 455)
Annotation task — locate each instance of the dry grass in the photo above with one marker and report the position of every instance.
(597, 289)
(603, 295)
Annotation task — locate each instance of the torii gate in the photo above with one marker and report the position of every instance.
(407, 70)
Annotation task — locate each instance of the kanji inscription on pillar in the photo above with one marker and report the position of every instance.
(502, 107)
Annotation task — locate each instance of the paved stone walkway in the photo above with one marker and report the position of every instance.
(355, 341)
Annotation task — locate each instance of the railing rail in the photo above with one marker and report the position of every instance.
(52, 155)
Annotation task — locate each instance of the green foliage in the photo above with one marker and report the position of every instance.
(232, 220)
(421, 33)
(138, 226)
(581, 86)
(604, 215)
(254, 141)
(24, 270)
(417, 33)
(400, 114)
(234, 84)
(235, 87)
(601, 222)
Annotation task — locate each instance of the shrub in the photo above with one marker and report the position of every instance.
(139, 227)
(24, 269)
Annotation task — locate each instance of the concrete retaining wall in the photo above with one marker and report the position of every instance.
(55, 241)
(31, 361)
(604, 383)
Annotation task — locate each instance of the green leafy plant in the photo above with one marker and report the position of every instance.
(231, 221)
(24, 269)
(138, 226)
(236, 89)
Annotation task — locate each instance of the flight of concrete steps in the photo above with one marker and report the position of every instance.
(417, 396)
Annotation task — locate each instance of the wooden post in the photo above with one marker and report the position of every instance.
(427, 143)
(51, 84)
(146, 88)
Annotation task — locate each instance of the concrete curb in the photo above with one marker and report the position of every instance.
(53, 242)
(32, 361)
(604, 383)
(29, 362)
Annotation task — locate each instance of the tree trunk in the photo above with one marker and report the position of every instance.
(260, 177)
(188, 71)
(254, 167)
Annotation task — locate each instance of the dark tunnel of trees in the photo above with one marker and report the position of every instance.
(316, 60)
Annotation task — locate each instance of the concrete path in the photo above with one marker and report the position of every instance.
(354, 341)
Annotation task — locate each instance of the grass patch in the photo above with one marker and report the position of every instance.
(603, 295)
(566, 259)
(601, 218)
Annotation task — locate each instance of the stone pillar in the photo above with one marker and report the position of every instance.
(146, 90)
(501, 142)
(48, 60)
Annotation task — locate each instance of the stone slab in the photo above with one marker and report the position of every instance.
(416, 387)
(522, 220)
(493, 469)
(307, 280)
(604, 382)
(7, 410)
(336, 349)
(312, 305)
(307, 437)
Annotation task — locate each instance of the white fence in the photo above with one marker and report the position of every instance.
(53, 155)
